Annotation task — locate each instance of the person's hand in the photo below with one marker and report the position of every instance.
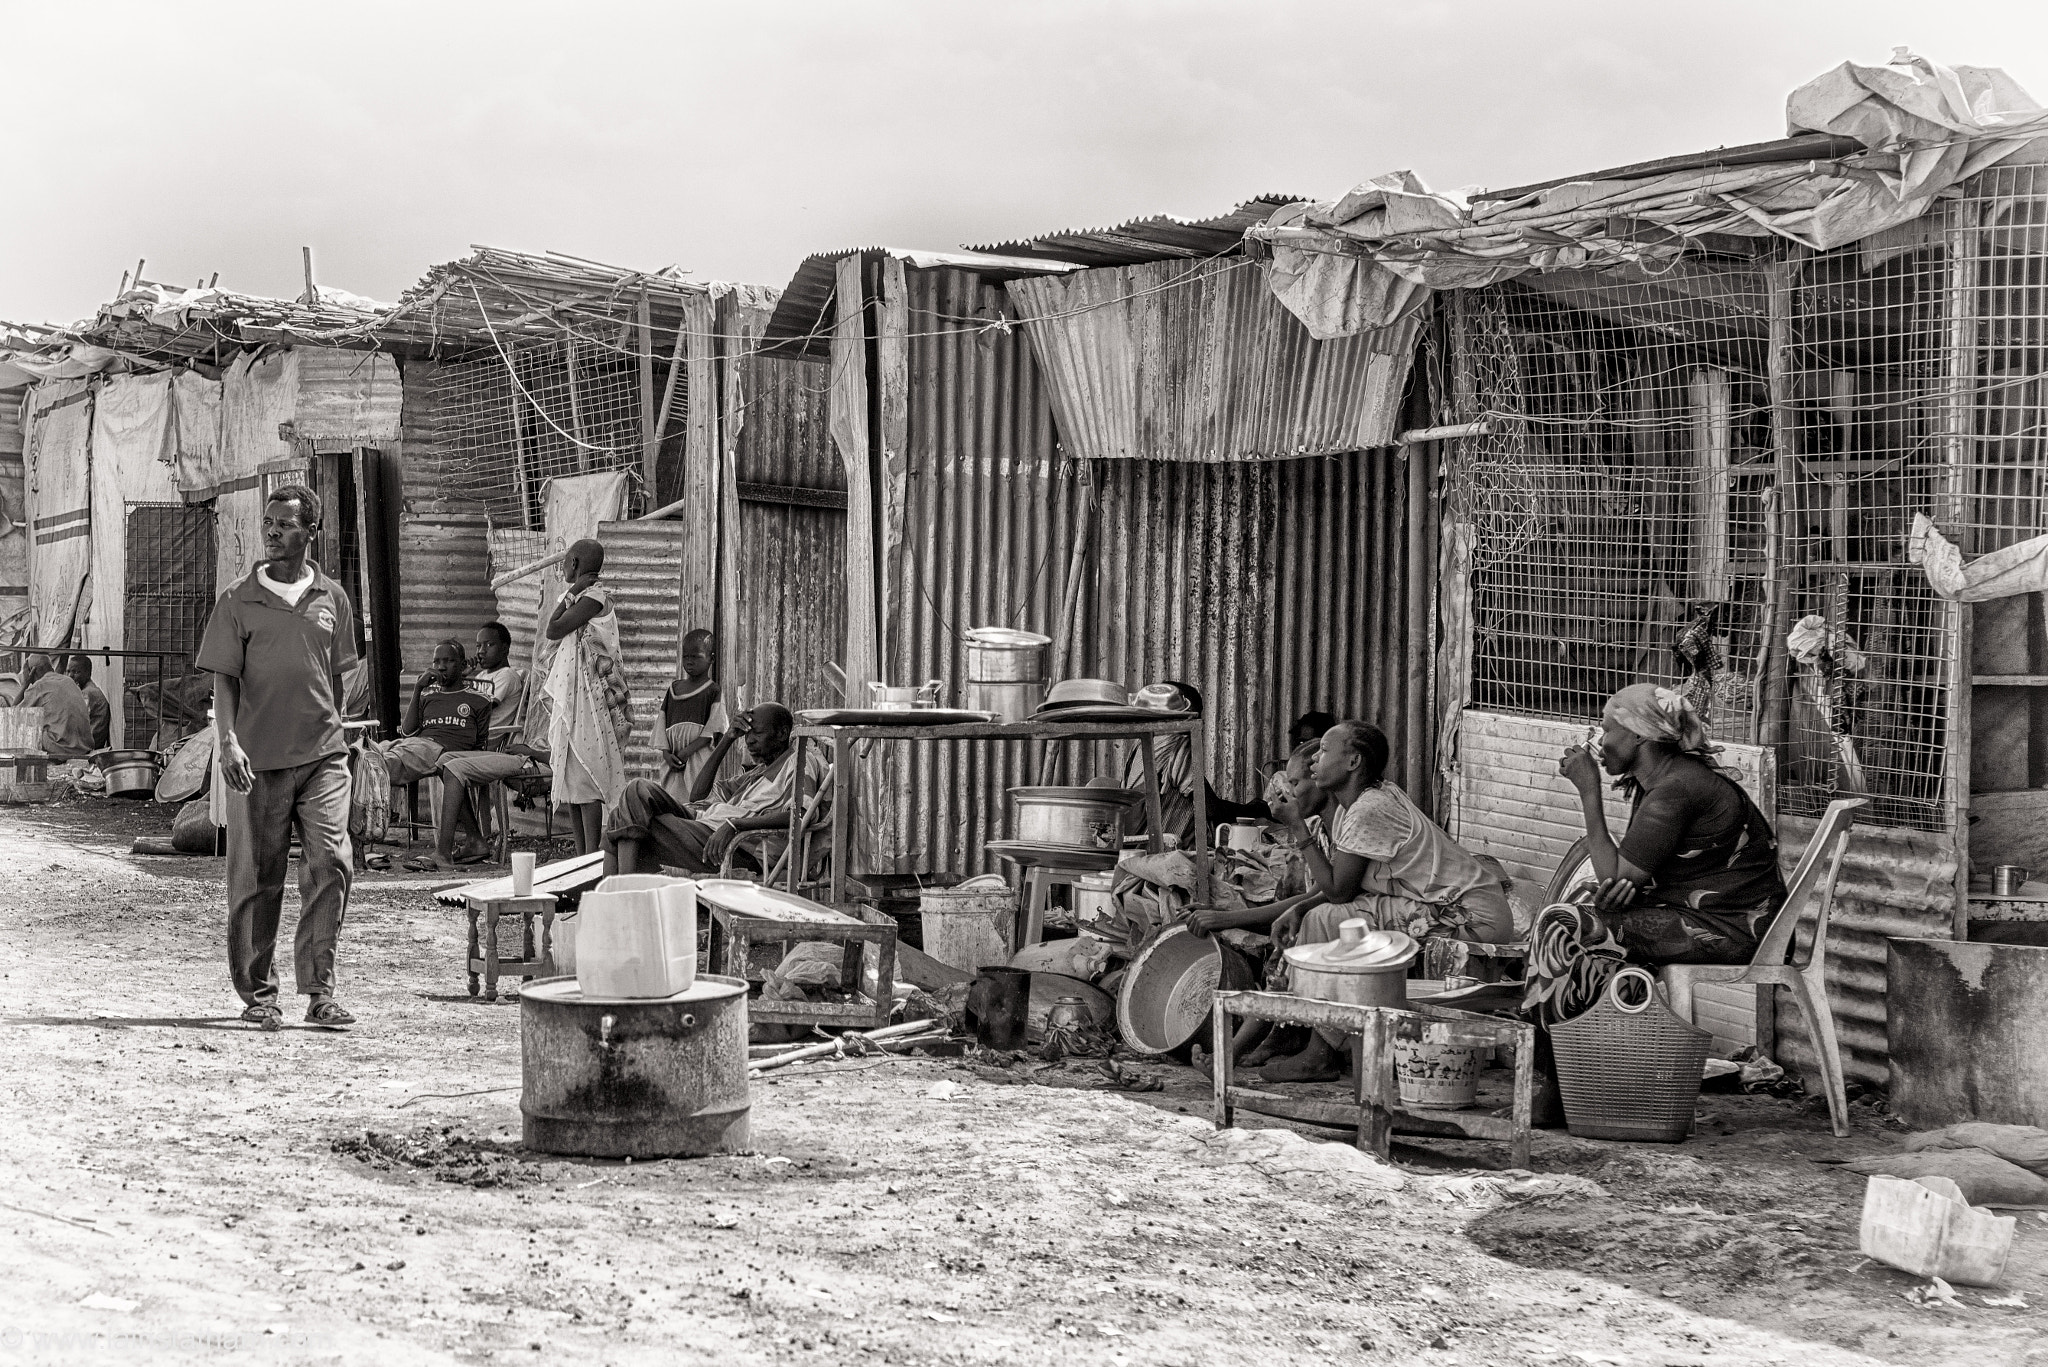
(720, 841)
(234, 765)
(1286, 810)
(1287, 926)
(1614, 895)
(1203, 921)
(742, 724)
(1580, 769)
(584, 582)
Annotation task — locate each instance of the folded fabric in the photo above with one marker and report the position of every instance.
(2025, 1145)
(1984, 1178)
(2006, 573)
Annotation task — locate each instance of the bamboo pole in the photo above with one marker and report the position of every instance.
(559, 556)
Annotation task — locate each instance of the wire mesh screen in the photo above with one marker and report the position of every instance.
(574, 409)
(1619, 499)
(168, 594)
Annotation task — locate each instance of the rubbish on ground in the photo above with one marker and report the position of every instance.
(1985, 1178)
(1125, 1079)
(98, 1301)
(2013, 1301)
(1924, 1226)
(2024, 1145)
(852, 1042)
(944, 1090)
(1936, 1292)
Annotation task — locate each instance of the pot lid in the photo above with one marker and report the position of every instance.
(1356, 949)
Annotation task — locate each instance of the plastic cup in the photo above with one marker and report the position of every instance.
(522, 874)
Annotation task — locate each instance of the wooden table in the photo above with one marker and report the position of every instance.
(1376, 1114)
(1044, 736)
(735, 931)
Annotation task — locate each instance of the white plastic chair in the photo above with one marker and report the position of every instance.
(1770, 967)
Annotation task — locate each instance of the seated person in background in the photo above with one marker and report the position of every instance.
(97, 708)
(1171, 762)
(67, 720)
(1308, 729)
(649, 828)
(445, 720)
(692, 718)
(495, 678)
(1695, 879)
(1388, 864)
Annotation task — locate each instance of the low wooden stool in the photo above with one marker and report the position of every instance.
(1377, 1114)
(484, 956)
(734, 934)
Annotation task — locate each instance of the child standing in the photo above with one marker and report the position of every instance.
(693, 713)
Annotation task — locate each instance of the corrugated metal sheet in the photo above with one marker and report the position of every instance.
(429, 485)
(785, 437)
(1277, 588)
(444, 586)
(643, 567)
(1895, 882)
(348, 397)
(802, 321)
(792, 605)
(1201, 363)
(519, 601)
(1159, 238)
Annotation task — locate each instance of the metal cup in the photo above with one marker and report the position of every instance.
(2008, 879)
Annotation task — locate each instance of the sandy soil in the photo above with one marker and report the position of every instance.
(176, 1187)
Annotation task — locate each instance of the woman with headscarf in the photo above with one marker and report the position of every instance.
(1171, 761)
(1695, 878)
(588, 717)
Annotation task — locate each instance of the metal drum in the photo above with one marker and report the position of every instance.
(651, 1077)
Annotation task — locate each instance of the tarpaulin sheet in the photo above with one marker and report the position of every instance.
(58, 458)
(1172, 361)
(134, 434)
(1361, 262)
(258, 394)
(195, 434)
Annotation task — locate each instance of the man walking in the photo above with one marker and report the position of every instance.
(277, 645)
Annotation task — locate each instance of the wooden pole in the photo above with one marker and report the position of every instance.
(665, 510)
(648, 441)
(575, 406)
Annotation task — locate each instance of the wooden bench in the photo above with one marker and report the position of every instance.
(1376, 1115)
(788, 918)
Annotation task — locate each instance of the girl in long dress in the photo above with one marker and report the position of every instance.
(589, 717)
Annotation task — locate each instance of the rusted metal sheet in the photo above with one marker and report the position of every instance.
(428, 476)
(784, 440)
(1895, 882)
(1966, 1033)
(1160, 237)
(444, 586)
(792, 606)
(1171, 361)
(519, 601)
(350, 398)
(1277, 588)
(643, 566)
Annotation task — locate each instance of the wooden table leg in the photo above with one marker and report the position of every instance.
(1222, 1067)
(1525, 1094)
(490, 951)
(547, 940)
(1155, 819)
(1198, 774)
(1375, 1073)
(842, 816)
(473, 947)
(796, 816)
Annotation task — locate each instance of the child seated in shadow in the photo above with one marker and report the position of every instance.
(692, 717)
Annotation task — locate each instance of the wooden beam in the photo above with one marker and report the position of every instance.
(648, 441)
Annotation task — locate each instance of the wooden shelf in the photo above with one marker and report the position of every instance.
(2009, 680)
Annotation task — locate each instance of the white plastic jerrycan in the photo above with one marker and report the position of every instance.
(637, 937)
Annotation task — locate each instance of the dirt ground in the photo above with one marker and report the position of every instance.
(177, 1187)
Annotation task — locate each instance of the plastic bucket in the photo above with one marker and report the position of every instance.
(966, 929)
(1439, 1072)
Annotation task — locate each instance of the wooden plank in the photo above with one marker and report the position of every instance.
(648, 445)
(849, 427)
(1342, 1115)
(2007, 680)
(2009, 828)
(1711, 439)
(698, 604)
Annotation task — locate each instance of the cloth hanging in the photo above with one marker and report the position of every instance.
(134, 442)
(2004, 573)
(257, 397)
(57, 455)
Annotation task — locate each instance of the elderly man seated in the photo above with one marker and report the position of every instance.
(67, 721)
(649, 826)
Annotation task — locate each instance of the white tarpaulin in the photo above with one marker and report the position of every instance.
(2004, 573)
(258, 394)
(1366, 260)
(134, 435)
(57, 455)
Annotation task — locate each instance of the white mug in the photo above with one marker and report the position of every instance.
(522, 873)
(1241, 836)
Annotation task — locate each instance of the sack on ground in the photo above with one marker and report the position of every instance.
(2025, 1145)
(1984, 1178)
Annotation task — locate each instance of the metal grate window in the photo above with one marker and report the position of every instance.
(169, 592)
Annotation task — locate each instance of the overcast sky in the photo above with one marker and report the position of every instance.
(734, 139)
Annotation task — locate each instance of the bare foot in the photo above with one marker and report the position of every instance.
(1317, 1063)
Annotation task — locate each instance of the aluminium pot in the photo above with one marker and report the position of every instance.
(1088, 818)
(130, 773)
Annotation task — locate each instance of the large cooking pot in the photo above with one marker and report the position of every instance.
(1091, 818)
(130, 773)
(997, 655)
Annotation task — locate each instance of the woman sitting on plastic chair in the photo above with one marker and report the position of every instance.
(1695, 879)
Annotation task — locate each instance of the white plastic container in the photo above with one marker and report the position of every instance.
(1924, 1226)
(637, 937)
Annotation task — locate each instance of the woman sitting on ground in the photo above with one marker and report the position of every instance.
(1695, 879)
(1388, 864)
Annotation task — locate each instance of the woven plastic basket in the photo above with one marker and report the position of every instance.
(1629, 1069)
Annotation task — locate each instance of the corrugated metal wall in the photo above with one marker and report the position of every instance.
(519, 601)
(791, 588)
(444, 586)
(1895, 882)
(1275, 587)
(1182, 361)
(643, 566)
(352, 397)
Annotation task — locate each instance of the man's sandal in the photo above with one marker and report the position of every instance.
(265, 1018)
(325, 1011)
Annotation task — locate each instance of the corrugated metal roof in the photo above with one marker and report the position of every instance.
(802, 320)
(444, 585)
(1805, 147)
(1200, 362)
(643, 571)
(1162, 237)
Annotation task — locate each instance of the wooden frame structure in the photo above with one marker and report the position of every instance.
(733, 934)
(1376, 1115)
(1043, 735)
